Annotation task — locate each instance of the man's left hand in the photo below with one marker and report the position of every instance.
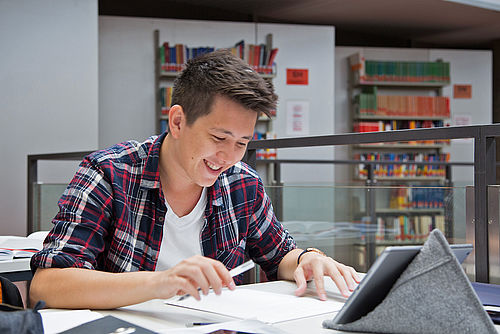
(315, 266)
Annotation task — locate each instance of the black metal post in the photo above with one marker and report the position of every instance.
(277, 192)
(251, 157)
(32, 178)
(448, 203)
(484, 175)
(370, 208)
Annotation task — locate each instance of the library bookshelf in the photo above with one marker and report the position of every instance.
(170, 60)
(396, 95)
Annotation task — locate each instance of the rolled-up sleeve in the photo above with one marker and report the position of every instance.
(269, 241)
(80, 227)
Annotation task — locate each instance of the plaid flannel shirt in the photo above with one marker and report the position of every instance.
(112, 213)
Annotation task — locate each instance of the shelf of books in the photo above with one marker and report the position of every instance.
(170, 60)
(407, 228)
(400, 169)
(400, 95)
(404, 73)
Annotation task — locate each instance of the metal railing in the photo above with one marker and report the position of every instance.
(370, 183)
(484, 166)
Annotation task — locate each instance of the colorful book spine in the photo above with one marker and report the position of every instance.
(404, 71)
(404, 228)
(374, 126)
(401, 170)
(165, 99)
(403, 106)
(174, 58)
(261, 57)
(399, 71)
(269, 153)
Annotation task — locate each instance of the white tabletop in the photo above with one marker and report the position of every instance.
(15, 265)
(159, 317)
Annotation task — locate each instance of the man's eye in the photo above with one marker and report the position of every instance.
(242, 144)
(218, 138)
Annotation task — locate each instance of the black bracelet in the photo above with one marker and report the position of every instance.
(307, 250)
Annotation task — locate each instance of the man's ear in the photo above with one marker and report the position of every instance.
(176, 120)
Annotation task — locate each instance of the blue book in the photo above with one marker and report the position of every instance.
(489, 295)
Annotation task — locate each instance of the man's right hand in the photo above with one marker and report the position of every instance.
(94, 289)
(189, 275)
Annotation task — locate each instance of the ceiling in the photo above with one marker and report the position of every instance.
(398, 23)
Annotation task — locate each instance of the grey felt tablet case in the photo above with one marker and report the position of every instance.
(433, 295)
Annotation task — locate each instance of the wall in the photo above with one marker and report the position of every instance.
(126, 75)
(48, 89)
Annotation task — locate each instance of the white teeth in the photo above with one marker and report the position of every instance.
(212, 166)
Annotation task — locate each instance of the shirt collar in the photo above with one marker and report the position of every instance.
(151, 174)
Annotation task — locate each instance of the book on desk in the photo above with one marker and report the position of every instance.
(13, 247)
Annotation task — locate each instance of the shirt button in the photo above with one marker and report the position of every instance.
(161, 219)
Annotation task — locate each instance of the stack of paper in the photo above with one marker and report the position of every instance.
(18, 247)
(264, 306)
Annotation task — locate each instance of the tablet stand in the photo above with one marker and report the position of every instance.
(432, 295)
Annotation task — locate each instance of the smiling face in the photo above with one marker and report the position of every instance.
(213, 143)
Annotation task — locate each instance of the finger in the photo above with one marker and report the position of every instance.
(318, 273)
(300, 280)
(224, 275)
(215, 273)
(187, 287)
(355, 275)
(192, 269)
(338, 279)
(348, 273)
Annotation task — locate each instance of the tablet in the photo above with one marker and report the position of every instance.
(381, 277)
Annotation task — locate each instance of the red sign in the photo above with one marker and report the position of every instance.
(462, 91)
(297, 76)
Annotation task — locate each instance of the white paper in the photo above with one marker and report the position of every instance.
(58, 321)
(264, 306)
(15, 242)
(297, 118)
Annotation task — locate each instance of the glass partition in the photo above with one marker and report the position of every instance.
(369, 219)
(46, 196)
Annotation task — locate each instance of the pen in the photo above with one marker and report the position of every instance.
(233, 272)
(192, 324)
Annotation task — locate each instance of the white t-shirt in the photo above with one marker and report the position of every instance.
(181, 235)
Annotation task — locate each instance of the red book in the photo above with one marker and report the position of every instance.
(256, 55)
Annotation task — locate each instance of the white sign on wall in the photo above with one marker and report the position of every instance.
(297, 117)
(462, 120)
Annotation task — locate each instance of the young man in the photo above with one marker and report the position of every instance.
(173, 214)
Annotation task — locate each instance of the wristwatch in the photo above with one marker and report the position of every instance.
(307, 250)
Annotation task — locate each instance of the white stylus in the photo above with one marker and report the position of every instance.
(233, 272)
(241, 268)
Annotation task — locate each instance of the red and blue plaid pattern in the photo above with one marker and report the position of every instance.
(111, 216)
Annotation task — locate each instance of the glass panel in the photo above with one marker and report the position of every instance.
(493, 233)
(45, 197)
(354, 224)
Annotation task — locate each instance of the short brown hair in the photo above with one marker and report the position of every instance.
(220, 73)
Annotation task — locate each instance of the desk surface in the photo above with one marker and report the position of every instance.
(19, 269)
(159, 317)
(16, 269)
(14, 265)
